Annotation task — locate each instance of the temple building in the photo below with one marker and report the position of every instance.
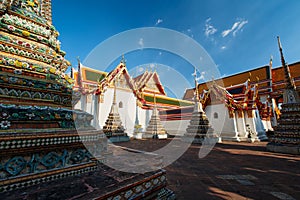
(136, 97)
(241, 106)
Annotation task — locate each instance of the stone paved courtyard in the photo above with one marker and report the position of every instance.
(230, 171)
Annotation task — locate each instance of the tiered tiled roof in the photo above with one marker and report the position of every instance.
(278, 78)
(260, 76)
(144, 86)
(143, 80)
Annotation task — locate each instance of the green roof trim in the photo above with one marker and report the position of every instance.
(175, 102)
(94, 76)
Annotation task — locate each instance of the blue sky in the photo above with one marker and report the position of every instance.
(237, 34)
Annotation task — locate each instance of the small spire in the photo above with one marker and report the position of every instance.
(78, 60)
(115, 94)
(196, 85)
(271, 62)
(287, 74)
(79, 79)
(270, 74)
(71, 73)
(123, 59)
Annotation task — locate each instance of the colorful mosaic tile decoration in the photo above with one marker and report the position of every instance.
(42, 139)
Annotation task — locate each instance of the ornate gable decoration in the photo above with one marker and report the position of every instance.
(149, 82)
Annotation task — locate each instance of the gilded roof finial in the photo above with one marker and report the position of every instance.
(271, 61)
(249, 76)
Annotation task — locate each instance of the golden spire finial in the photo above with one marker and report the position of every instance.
(271, 61)
(249, 78)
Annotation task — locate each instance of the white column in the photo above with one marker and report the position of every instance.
(241, 126)
(96, 111)
(147, 118)
(83, 102)
(253, 125)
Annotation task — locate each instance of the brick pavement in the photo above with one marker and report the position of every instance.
(230, 171)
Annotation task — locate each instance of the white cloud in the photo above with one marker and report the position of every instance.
(223, 47)
(209, 28)
(236, 27)
(188, 32)
(159, 21)
(141, 43)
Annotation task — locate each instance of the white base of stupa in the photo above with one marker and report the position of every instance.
(158, 136)
(162, 136)
(138, 136)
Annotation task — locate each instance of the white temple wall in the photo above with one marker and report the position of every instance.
(143, 119)
(81, 103)
(77, 105)
(218, 116)
(89, 103)
(176, 127)
(104, 108)
(128, 101)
